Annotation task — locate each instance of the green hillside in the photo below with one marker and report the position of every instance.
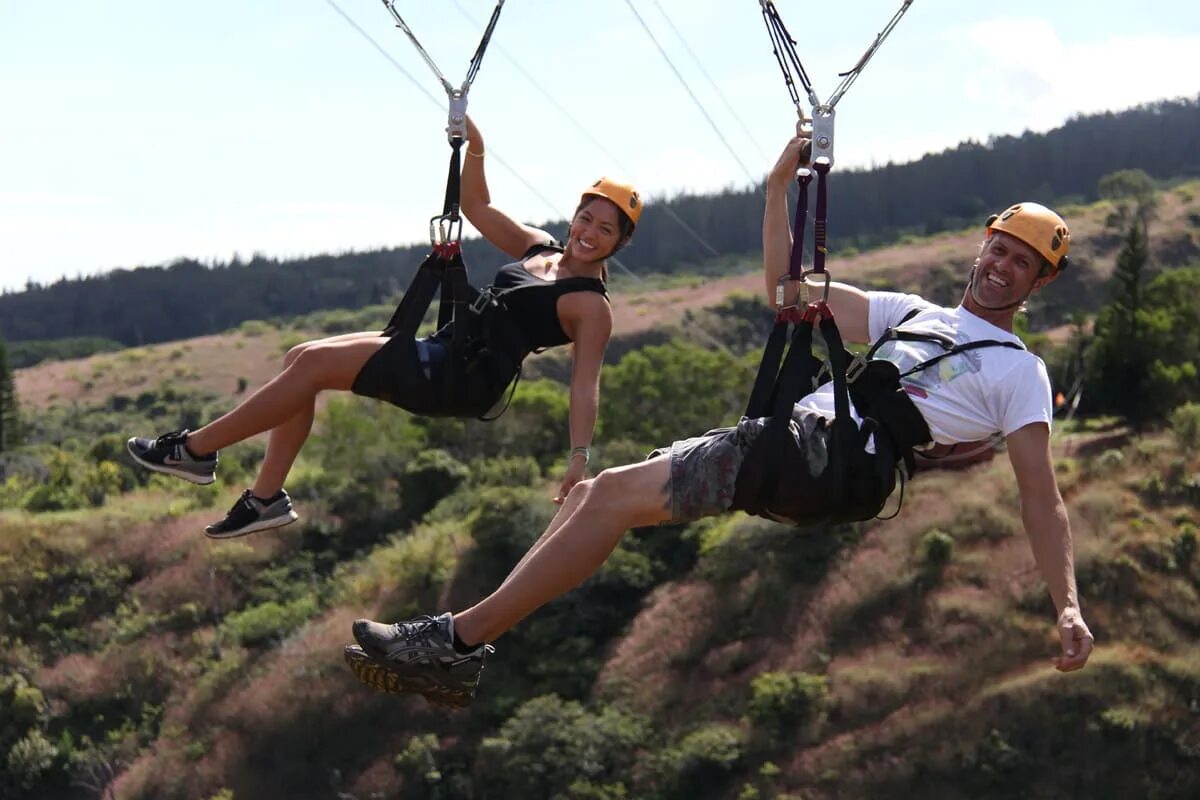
(732, 659)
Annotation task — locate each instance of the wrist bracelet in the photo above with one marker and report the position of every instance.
(477, 155)
(587, 454)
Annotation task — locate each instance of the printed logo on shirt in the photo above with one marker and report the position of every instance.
(906, 355)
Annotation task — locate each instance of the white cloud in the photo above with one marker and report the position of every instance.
(1024, 68)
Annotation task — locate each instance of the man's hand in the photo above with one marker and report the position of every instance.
(795, 155)
(1077, 641)
(576, 470)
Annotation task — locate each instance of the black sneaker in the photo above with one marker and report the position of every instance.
(417, 657)
(169, 455)
(250, 514)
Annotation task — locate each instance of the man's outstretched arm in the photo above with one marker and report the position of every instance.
(1045, 519)
(849, 305)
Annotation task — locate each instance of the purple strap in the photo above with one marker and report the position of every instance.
(796, 271)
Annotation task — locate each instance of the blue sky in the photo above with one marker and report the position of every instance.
(139, 132)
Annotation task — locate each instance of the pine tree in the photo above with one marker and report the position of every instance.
(9, 420)
(1121, 357)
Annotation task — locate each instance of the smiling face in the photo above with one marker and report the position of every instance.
(1006, 272)
(595, 231)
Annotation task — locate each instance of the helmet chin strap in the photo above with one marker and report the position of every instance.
(974, 297)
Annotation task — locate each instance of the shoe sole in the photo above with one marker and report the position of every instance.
(383, 678)
(191, 477)
(254, 527)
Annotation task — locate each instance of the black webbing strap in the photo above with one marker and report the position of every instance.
(820, 218)
(450, 205)
(759, 473)
(960, 348)
(951, 348)
(784, 48)
(761, 396)
(477, 59)
(411, 310)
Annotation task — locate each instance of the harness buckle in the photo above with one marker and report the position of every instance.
(856, 367)
(484, 299)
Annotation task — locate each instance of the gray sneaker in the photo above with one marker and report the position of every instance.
(250, 514)
(417, 657)
(169, 455)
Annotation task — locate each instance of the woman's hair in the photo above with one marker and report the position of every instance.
(625, 226)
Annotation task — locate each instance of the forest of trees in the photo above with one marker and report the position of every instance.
(867, 207)
(8, 403)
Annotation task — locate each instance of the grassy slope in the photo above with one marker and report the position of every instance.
(939, 680)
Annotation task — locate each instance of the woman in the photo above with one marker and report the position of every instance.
(551, 295)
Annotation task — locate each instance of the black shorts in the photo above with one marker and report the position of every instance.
(419, 375)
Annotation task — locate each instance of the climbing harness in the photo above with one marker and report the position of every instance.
(858, 484)
(476, 321)
(855, 484)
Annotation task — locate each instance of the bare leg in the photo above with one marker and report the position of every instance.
(574, 499)
(613, 502)
(288, 437)
(322, 365)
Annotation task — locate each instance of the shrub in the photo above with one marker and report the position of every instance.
(977, 520)
(1183, 545)
(706, 756)
(782, 701)
(506, 471)
(428, 478)
(1185, 423)
(550, 747)
(267, 621)
(417, 762)
(254, 327)
(937, 547)
(30, 757)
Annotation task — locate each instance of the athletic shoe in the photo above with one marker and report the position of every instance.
(417, 656)
(169, 455)
(250, 514)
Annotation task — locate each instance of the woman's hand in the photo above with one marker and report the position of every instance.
(474, 136)
(576, 471)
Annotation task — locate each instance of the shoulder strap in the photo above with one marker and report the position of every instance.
(961, 348)
(951, 347)
(541, 247)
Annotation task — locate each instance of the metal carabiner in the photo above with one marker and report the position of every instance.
(445, 228)
(825, 291)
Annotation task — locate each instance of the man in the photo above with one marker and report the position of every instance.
(994, 387)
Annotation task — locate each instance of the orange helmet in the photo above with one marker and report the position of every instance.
(1038, 227)
(622, 195)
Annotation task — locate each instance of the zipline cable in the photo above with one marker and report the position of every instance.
(737, 118)
(433, 99)
(755, 182)
(670, 212)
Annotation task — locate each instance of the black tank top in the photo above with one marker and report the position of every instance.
(533, 302)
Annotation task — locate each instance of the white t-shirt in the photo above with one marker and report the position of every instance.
(968, 396)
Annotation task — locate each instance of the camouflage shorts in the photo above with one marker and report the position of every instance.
(704, 469)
